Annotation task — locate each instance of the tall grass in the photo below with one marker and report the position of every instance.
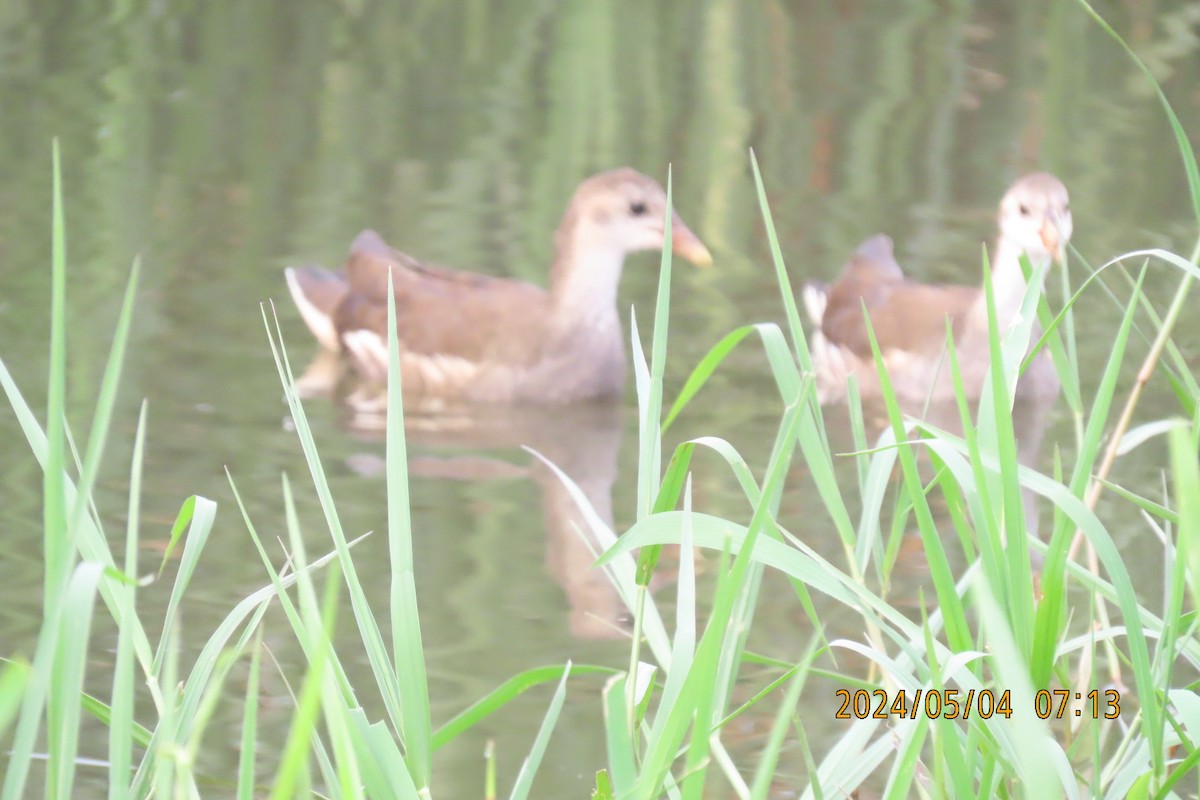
(999, 625)
(331, 742)
(991, 628)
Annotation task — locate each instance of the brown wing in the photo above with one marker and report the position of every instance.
(370, 257)
(442, 311)
(904, 315)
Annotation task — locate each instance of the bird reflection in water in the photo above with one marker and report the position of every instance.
(582, 440)
(1031, 415)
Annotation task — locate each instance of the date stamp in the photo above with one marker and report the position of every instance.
(982, 704)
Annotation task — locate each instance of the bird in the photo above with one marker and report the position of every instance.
(474, 338)
(909, 318)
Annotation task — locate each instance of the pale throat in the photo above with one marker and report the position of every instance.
(1008, 281)
(584, 282)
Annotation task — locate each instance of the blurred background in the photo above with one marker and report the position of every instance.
(222, 141)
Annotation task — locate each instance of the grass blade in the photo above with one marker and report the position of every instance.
(70, 664)
(1186, 476)
(505, 693)
(120, 737)
(407, 649)
(529, 768)
(13, 680)
(249, 741)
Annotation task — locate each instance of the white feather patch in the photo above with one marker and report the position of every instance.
(815, 299)
(317, 321)
(369, 352)
(433, 374)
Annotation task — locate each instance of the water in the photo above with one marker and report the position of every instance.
(221, 144)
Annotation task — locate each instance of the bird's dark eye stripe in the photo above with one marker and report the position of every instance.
(637, 209)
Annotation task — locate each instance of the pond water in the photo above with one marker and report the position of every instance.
(223, 142)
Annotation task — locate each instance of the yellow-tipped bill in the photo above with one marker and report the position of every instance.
(1052, 240)
(688, 245)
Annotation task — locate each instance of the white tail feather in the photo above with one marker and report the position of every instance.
(815, 298)
(369, 352)
(320, 323)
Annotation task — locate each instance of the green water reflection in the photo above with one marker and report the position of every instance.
(222, 142)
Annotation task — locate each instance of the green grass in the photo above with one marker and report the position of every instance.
(992, 626)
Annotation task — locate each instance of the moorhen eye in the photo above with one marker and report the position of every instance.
(637, 209)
